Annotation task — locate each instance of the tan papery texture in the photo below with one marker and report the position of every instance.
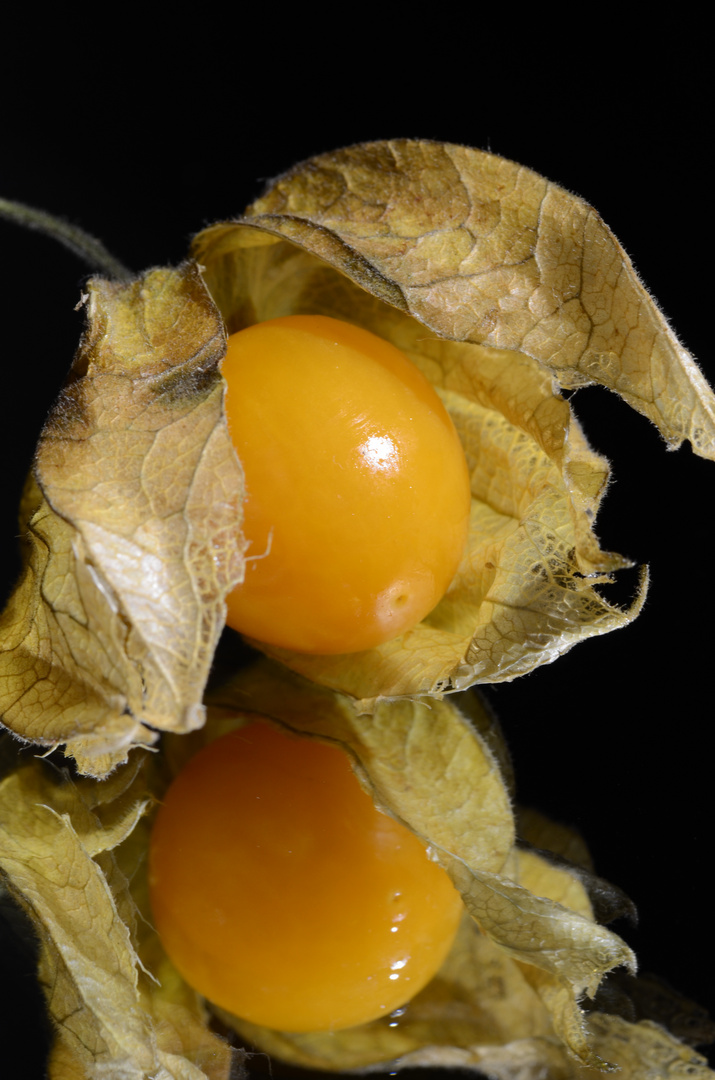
(495, 283)
(56, 854)
(481, 249)
(506, 997)
(131, 518)
(130, 523)
(507, 1000)
(428, 767)
(499, 286)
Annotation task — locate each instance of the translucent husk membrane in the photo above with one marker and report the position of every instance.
(496, 284)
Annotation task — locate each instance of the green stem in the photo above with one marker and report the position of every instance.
(81, 243)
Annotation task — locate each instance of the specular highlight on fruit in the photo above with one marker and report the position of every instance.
(284, 896)
(357, 491)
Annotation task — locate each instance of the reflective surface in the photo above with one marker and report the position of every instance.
(357, 499)
(281, 894)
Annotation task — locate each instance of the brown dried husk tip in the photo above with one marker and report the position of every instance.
(131, 530)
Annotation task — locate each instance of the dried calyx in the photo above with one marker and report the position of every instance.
(132, 526)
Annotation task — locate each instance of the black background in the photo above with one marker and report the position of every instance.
(616, 737)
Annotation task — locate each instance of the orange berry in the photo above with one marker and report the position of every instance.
(281, 894)
(357, 491)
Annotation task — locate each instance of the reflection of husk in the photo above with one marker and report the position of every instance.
(506, 999)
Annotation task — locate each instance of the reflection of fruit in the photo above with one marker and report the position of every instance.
(357, 487)
(281, 894)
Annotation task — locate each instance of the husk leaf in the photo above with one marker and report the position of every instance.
(495, 282)
(56, 855)
(132, 520)
(428, 767)
(641, 1051)
(131, 530)
(481, 249)
(451, 255)
(505, 1001)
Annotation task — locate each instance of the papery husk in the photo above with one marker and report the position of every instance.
(506, 1001)
(57, 841)
(481, 1013)
(481, 249)
(499, 286)
(429, 767)
(131, 530)
(494, 282)
(131, 518)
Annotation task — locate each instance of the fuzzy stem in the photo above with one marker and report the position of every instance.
(79, 242)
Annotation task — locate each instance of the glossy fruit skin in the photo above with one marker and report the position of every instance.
(282, 895)
(357, 486)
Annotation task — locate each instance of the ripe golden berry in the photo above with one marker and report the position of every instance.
(281, 894)
(357, 491)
